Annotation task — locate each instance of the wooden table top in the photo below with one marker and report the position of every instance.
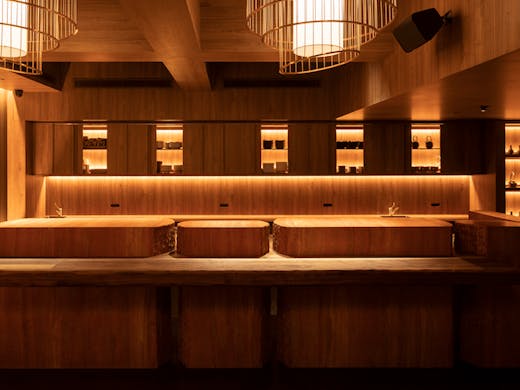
(356, 222)
(105, 221)
(226, 223)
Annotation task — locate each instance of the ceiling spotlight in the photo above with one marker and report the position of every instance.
(483, 108)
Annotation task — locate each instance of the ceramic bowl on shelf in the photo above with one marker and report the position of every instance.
(268, 167)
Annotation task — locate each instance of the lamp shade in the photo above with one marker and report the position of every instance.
(30, 27)
(311, 35)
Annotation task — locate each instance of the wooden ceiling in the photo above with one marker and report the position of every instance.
(494, 84)
(183, 34)
(187, 35)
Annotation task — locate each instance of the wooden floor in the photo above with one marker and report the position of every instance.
(270, 378)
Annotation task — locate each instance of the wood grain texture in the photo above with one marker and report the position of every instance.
(117, 152)
(492, 238)
(409, 77)
(461, 147)
(483, 192)
(223, 238)
(491, 216)
(193, 149)
(86, 237)
(368, 326)
(361, 237)
(222, 327)
(312, 148)
(64, 157)
(3, 155)
(271, 270)
(177, 44)
(387, 148)
(242, 149)
(40, 139)
(139, 148)
(16, 160)
(489, 330)
(272, 195)
(78, 327)
(35, 200)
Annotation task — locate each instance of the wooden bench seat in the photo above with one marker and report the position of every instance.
(222, 238)
(361, 237)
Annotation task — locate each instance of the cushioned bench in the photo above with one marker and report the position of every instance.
(100, 236)
(221, 238)
(362, 236)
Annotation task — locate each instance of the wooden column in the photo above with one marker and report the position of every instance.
(365, 326)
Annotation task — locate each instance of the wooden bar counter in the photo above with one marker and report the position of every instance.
(362, 237)
(100, 236)
(243, 312)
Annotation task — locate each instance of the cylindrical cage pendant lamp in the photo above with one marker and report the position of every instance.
(312, 35)
(30, 27)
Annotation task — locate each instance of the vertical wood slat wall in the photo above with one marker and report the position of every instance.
(277, 195)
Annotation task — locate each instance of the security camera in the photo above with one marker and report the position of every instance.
(18, 92)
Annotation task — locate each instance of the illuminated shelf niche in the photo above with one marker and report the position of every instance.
(169, 149)
(426, 157)
(349, 149)
(274, 142)
(512, 166)
(94, 149)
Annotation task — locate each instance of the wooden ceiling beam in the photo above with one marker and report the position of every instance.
(172, 30)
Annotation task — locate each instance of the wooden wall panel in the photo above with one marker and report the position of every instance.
(489, 22)
(483, 192)
(259, 195)
(117, 148)
(489, 330)
(241, 148)
(213, 149)
(387, 148)
(139, 144)
(64, 150)
(365, 326)
(3, 155)
(222, 327)
(462, 147)
(78, 327)
(193, 149)
(16, 158)
(311, 148)
(41, 137)
(35, 199)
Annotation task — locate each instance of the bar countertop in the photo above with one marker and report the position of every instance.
(271, 269)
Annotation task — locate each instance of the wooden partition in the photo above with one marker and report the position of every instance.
(222, 327)
(365, 326)
(82, 327)
(258, 195)
(489, 326)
